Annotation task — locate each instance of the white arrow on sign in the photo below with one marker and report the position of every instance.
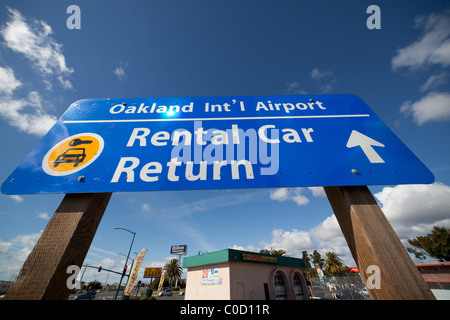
(366, 143)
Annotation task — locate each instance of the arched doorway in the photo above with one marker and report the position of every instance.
(280, 286)
(298, 288)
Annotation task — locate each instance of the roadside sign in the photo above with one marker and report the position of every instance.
(109, 145)
(152, 272)
(179, 249)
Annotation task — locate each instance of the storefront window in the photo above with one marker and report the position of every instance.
(280, 288)
(298, 287)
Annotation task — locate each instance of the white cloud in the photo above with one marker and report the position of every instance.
(15, 253)
(300, 199)
(43, 215)
(4, 247)
(433, 47)
(292, 242)
(34, 41)
(119, 72)
(108, 263)
(295, 194)
(8, 82)
(145, 207)
(294, 88)
(16, 198)
(27, 114)
(412, 210)
(328, 230)
(326, 236)
(286, 194)
(97, 249)
(281, 194)
(415, 209)
(21, 256)
(250, 248)
(27, 240)
(435, 81)
(435, 106)
(317, 192)
(318, 74)
(324, 79)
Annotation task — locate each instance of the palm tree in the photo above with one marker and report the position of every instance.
(333, 264)
(173, 270)
(273, 252)
(278, 252)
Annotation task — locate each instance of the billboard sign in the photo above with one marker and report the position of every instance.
(179, 249)
(152, 272)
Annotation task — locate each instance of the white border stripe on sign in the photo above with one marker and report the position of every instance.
(228, 118)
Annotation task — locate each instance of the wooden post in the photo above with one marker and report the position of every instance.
(373, 242)
(64, 242)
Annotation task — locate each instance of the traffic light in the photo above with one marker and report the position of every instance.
(125, 270)
(99, 268)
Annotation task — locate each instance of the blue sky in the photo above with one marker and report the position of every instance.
(139, 49)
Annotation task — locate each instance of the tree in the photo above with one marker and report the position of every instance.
(278, 252)
(310, 271)
(316, 258)
(333, 264)
(94, 285)
(435, 245)
(155, 283)
(307, 259)
(273, 252)
(173, 269)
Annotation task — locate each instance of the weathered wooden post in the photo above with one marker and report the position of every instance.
(64, 242)
(373, 242)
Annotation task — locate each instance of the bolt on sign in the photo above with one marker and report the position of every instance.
(109, 145)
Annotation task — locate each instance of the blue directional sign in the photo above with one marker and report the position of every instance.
(109, 145)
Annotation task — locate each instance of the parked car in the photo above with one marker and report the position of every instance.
(166, 292)
(88, 295)
(346, 294)
(182, 293)
(364, 292)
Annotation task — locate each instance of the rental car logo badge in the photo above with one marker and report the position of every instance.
(72, 154)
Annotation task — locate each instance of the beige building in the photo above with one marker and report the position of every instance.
(241, 275)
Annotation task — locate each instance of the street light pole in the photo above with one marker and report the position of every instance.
(126, 262)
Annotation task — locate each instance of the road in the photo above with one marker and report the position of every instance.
(109, 295)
